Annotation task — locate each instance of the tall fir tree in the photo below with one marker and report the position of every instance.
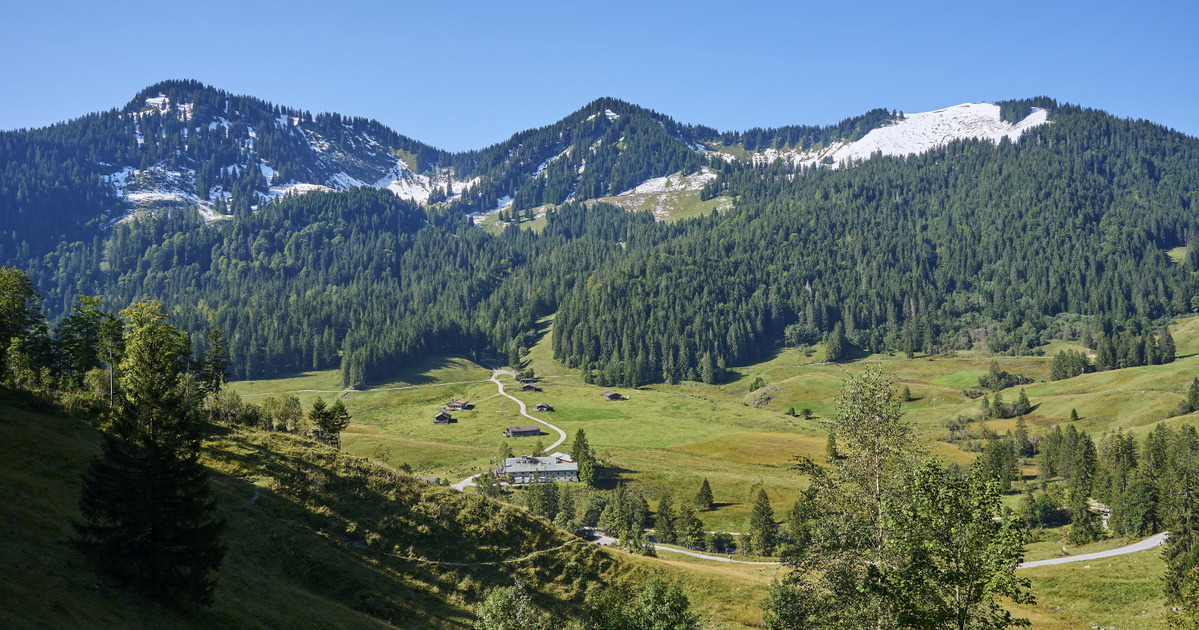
(703, 498)
(148, 515)
(763, 531)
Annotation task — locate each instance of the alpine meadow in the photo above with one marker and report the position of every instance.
(261, 367)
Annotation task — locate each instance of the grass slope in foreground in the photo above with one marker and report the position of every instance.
(316, 538)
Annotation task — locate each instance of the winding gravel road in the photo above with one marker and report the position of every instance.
(495, 378)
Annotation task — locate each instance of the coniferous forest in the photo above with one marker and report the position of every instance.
(1063, 234)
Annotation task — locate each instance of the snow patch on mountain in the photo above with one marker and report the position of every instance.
(673, 183)
(159, 187)
(915, 134)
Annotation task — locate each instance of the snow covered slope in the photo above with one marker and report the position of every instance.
(917, 133)
(319, 155)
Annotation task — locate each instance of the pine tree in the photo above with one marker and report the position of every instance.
(830, 447)
(215, 362)
(664, 523)
(703, 498)
(689, 529)
(835, 346)
(1166, 346)
(1022, 406)
(763, 531)
(1073, 415)
(149, 518)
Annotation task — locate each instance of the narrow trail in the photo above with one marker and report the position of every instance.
(524, 411)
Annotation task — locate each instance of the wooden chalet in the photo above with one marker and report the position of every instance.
(543, 407)
(442, 418)
(456, 404)
(612, 396)
(522, 431)
(529, 387)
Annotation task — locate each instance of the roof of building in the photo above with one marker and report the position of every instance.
(524, 429)
(528, 464)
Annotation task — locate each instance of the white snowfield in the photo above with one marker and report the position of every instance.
(918, 133)
(673, 183)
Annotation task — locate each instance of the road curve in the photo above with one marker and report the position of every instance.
(696, 554)
(525, 412)
(495, 378)
(1144, 545)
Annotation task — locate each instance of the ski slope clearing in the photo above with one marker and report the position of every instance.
(917, 133)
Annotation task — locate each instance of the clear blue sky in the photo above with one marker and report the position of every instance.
(463, 75)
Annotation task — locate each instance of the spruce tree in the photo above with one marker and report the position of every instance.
(703, 498)
(763, 531)
(148, 515)
(1022, 406)
(215, 362)
(1166, 346)
(664, 523)
(830, 447)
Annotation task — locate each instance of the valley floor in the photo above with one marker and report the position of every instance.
(671, 437)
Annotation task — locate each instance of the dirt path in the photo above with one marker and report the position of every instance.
(495, 378)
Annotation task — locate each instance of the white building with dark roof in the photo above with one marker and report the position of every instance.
(529, 469)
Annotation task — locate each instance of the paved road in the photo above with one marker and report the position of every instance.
(1145, 545)
(696, 554)
(495, 378)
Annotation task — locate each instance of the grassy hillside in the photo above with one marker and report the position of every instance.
(316, 538)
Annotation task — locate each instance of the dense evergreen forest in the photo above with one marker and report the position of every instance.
(1061, 234)
(973, 244)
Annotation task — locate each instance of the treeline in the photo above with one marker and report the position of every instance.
(358, 280)
(804, 137)
(915, 254)
(1148, 487)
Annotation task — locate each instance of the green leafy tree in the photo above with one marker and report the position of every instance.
(510, 608)
(865, 531)
(656, 606)
(956, 563)
(148, 515)
(20, 310)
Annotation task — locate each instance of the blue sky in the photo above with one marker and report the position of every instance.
(462, 75)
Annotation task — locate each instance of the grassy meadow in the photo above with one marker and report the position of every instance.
(670, 437)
